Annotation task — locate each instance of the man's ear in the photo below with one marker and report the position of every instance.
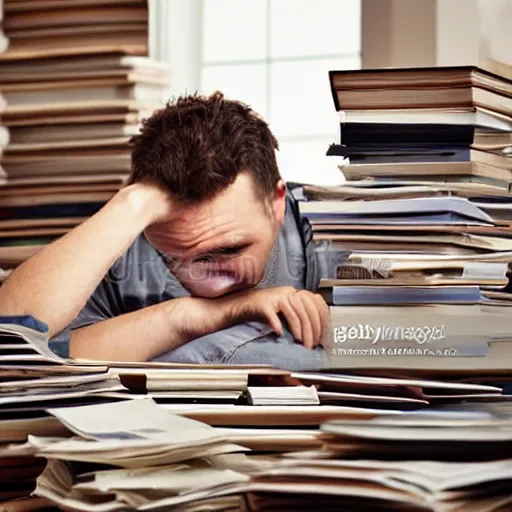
(279, 202)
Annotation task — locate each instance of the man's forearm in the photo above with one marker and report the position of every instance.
(54, 285)
(152, 331)
(155, 330)
(138, 336)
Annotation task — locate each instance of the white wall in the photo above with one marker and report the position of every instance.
(398, 33)
(472, 31)
(496, 29)
(436, 32)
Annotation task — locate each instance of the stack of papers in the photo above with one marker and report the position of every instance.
(149, 436)
(432, 461)
(336, 478)
(363, 390)
(169, 457)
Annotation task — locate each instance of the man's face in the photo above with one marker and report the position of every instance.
(222, 244)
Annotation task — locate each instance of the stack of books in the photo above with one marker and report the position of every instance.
(414, 249)
(76, 82)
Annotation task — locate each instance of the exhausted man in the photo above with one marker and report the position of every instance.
(201, 258)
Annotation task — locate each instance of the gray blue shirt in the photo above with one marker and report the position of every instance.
(140, 278)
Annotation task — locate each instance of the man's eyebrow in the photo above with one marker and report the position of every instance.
(225, 248)
(214, 250)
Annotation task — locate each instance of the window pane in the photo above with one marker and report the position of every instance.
(301, 101)
(247, 83)
(234, 30)
(306, 162)
(314, 27)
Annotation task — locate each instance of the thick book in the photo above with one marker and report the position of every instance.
(62, 145)
(482, 242)
(85, 197)
(64, 208)
(91, 30)
(398, 246)
(392, 134)
(361, 277)
(373, 294)
(412, 98)
(422, 154)
(77, 15)
(60, 133)
(85, 179)
(426, 171)
(441, 87)
(51, 118)
(71, 45)
(387, 209)
(90, 65)
(372, 190)
(460, 118)
(404, 268)
(55, 165)
(338, 228)
(31, 5)
(77, 109)
(429, 337)
(372, 136)
(8, 191)
(93, 90)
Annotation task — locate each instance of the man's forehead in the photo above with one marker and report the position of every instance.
(227, 206)
(229, 219)
(186, 246)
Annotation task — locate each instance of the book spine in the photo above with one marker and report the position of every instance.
(382, 134)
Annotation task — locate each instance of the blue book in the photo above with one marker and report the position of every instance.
(400, 295)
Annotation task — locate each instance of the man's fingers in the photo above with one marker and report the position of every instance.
(312, 310)
(305, 322)
(306, 313)
(292, 318)
(273, 320)
(325, 314)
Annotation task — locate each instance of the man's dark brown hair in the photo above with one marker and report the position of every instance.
(196, 146)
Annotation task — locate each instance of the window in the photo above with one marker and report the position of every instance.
(275, 55)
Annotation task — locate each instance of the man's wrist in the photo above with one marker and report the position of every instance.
(194, 317)
(147, 203)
